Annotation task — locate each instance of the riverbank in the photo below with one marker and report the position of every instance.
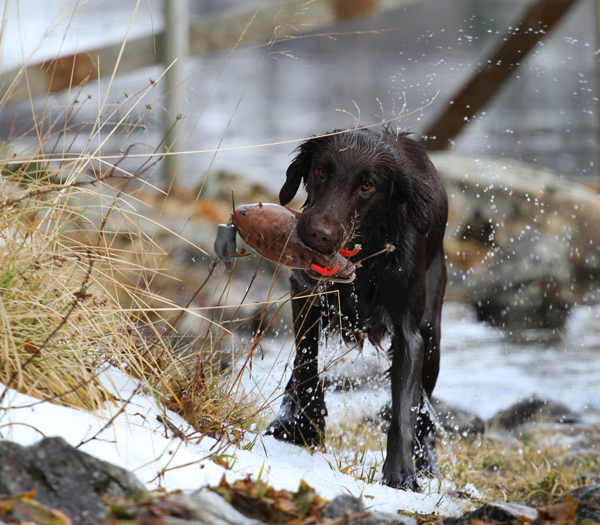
(205, 341)
(531, 455)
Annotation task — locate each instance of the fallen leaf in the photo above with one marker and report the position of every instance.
(29, 347)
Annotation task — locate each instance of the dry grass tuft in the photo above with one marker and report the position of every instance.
(60, 325)
(78, 267)
(534, 471)
(208, 395)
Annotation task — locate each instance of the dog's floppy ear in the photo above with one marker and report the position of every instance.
(420, 204)
(297, 171)
(419, 200)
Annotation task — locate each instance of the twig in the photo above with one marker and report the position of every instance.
(162, 471)
(170, 426)
(112, 419)
(37, 193)
(23, 425)
(166, 469)
(388, 248)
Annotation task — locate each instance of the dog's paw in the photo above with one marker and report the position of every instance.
(428, 466)
(303, 434)
(396, 480)
(278, 431)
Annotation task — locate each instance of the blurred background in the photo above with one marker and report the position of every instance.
(385, 63)
(504, 93)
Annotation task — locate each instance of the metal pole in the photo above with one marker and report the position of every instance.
(175, 52)
(597, 160)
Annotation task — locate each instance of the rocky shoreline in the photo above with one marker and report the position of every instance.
(490, 245)
(51, 483)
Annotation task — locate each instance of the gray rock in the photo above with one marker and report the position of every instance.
(65, 478)
(207, 508)
(588, 503)
(341, 504)
(454, 420)
(392, 519)
(531, 409)
(496, 511)
(344, 503)
(528, 285)
(493, 201)
(579, 439)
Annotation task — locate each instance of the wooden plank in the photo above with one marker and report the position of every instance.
(74, 70)
(537, 21)
(222, 30)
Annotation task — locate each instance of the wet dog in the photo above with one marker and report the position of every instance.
(377, 191)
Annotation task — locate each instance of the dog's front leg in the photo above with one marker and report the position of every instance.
(301, 418)
(407, 365)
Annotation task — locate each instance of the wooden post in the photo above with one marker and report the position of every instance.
(539, 19)
(175, 51)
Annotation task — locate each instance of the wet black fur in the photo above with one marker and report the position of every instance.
(384, 184)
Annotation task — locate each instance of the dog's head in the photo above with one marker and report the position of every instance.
(357, 180)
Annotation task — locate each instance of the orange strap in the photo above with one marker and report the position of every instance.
(324, 271)
(349, 253)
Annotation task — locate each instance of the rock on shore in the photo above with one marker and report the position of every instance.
(520, 238)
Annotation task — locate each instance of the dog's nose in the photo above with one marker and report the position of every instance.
(321, 237)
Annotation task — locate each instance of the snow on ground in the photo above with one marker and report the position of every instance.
(136, 441)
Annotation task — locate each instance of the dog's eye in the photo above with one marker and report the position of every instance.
(320, 173)
(367, 185)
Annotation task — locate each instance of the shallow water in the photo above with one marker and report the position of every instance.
(483, 369)
(486, 369)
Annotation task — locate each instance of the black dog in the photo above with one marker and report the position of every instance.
(377, 190)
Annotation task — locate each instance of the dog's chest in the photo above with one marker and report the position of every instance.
(362, 313)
